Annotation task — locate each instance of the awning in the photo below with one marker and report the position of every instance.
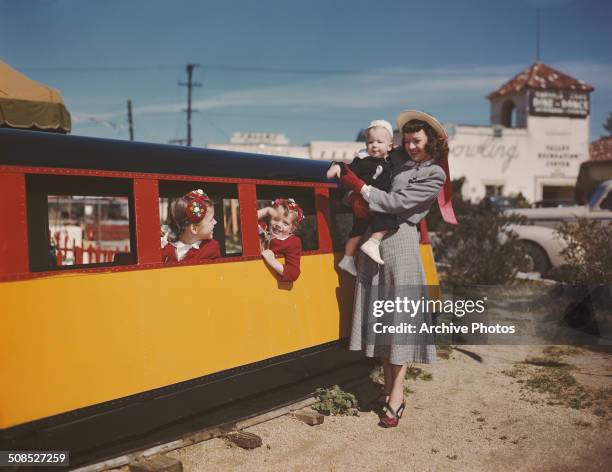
(25, 103)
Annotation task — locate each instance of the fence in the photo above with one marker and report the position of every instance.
(67, 252)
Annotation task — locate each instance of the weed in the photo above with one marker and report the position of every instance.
(547, 375)
(558, 351)
(415, 373)
(545, 362)
(377, 375)
(584, 424)
(335, 401)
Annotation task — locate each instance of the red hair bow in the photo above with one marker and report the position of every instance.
(291, 205)
(197, 205)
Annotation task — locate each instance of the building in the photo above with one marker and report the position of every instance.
(537, 138)
(277, 144)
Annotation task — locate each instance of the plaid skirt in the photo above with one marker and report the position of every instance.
(401, 276)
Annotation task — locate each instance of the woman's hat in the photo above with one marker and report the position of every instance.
(383, 124)
(409, 115)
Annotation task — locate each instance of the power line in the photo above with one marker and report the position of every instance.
(265, 70)
(285, 117)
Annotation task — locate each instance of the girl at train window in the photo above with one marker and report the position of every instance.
(191, 224)
(277, 225)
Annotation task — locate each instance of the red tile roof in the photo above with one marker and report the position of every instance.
(601, 150)
(539, 76)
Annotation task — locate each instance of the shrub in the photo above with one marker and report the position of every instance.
(480, 249)
(587, 252)
(335, 401)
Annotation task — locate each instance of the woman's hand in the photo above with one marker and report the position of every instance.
(359, 205)
(350, 179)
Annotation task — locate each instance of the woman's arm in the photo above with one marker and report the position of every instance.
(416, 193)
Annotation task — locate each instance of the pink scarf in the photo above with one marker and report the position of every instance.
(445, 197)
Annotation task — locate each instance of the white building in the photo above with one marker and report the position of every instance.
(537, 138)
(539, 135)
(277, 144)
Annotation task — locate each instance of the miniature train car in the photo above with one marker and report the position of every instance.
(105, 349)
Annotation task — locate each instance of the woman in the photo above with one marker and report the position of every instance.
(419, 167)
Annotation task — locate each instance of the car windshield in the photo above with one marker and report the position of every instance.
(597, 195)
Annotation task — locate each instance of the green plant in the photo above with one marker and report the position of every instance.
(335, 401)
(481, 249)
(415, 373)
(587, 254)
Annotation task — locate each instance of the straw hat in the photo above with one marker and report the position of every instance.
(408, 115)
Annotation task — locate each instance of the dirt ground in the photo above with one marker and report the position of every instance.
(483, 409)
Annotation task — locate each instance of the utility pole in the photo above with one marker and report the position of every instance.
(130, 120)
(189, 86)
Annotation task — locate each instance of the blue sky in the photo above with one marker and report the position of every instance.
(315, 70)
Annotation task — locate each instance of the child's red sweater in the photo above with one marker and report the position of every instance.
(291, 250)
(209, 249)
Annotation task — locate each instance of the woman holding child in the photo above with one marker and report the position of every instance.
(419, 173)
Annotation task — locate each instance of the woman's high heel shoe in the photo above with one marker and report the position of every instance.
(392, 421)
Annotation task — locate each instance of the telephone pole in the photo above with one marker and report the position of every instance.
(130, 120)
(189, 86)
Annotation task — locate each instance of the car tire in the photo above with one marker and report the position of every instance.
(536, 259)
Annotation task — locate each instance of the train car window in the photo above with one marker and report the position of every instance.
(227, 211)
(341, 218)
(76, 222)
(304, 197)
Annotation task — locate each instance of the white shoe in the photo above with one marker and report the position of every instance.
(372, 248)
(347, 264)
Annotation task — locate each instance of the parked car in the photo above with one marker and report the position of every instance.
(498, 203)
(541, 243)
(554, 203)
(599, 207)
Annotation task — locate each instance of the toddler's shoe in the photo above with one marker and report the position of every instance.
(372, 248)
(347, 264)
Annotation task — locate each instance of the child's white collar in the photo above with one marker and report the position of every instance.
(282, 239)
(182, 248)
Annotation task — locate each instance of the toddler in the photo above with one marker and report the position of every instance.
(277, 225)
(374, 170)
(191, 222)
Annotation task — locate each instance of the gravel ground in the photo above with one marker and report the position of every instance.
(470, 416)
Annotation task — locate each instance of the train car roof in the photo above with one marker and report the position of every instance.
(40, 149)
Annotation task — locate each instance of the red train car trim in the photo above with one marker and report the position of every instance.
(143, 175)
(146, 205)
(247, 199)
(13, 225)
(323, 215)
